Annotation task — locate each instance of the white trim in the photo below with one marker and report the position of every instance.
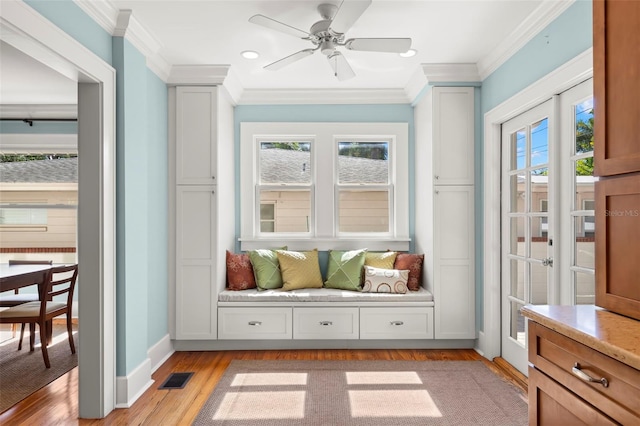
(542, 16)
(20, 111)
(132, 386)
(38, 37)
(210, 75)
(122, 23)
(447, 73)
(571, 73)
(38, 143)
(323, 96)
(160, 352)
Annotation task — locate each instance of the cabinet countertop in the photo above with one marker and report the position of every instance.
(609, 333)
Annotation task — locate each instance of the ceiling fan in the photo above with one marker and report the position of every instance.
(329, 33)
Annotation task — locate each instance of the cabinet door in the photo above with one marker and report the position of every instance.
(196, 316)
(196, 135)
(453, 135)
(453, 280)
(617, 260)
(616, 71)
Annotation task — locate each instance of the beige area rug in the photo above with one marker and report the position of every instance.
(385, 393)
(23, 372)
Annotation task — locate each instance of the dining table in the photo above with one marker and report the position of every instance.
(17, 276)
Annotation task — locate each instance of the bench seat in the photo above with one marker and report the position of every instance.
(321, 295)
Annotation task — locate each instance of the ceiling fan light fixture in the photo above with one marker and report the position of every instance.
(409, 53)
(250, 54)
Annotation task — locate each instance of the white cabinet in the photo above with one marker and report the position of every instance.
(396, 323)
(453, 134)
(444, 231)
(195, 265)
(201, 132)
(326, 323)
(255, 323)
(454, 263)
(196, 135)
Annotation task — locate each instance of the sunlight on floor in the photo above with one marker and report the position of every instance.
(382, 377)
(62, 337)
(269, 379)
(392, 403)
(261, 406)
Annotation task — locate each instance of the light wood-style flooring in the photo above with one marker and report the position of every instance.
(57, 404)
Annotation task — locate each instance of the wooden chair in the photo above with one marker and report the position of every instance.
(61, 280)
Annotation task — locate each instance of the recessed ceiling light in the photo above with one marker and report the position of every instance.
(250, 54)
(409, 53)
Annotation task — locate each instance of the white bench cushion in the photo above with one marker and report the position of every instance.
(321, 295)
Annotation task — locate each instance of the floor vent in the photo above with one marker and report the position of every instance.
(176, 381)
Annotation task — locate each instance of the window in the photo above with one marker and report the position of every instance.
(316, 183)
(23, 216)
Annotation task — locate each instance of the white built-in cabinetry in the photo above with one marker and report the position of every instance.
(445, 123)
(202, 132)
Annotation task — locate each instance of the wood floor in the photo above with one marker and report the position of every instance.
(57, 404)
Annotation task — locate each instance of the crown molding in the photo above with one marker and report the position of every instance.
(323, 96)
(542, 16)
(451, 73)
(123, 23)
(21, 111)
(416, 84)
(198, 75)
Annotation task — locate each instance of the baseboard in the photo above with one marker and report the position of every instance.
(131, 387)
(160, 352)
(480, 344)
(232, 345)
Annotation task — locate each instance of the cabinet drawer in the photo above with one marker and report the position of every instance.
(254, 323)
(556, 355)
(552, 404)
(325, 323)
(396, 323)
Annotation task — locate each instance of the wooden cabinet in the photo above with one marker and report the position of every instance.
(616, 72)
(571, 383)
(616, 47)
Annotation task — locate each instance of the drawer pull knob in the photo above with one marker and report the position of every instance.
(255, 323)
(587, 378)
(326, 323)
(397, 323)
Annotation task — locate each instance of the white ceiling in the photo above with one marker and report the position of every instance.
(209, 32)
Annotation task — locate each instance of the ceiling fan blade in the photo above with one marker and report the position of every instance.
(274, 66)
(341, 68)
(348, 14)
(278, 26)
(392, 45)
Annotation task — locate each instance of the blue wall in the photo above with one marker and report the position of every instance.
(396, 113)
(562, 40)
(141, 184)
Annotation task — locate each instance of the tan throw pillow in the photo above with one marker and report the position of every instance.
(378, 280)
(299, 269)
(383, 260)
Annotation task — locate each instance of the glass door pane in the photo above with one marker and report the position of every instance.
(526, 225)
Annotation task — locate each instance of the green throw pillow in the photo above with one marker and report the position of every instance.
(345, 269)
(266, 269)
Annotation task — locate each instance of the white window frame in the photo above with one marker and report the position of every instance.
(324, 233)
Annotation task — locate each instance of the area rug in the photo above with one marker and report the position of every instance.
(23, 372)
(371, 393)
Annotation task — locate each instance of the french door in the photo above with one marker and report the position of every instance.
(527, 223)
(547, 212)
